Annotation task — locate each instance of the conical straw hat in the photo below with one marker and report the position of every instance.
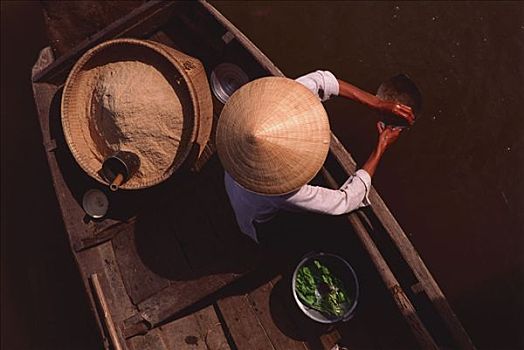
(273, 136)
(136, 96)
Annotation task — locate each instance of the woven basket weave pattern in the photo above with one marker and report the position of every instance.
(187, 78)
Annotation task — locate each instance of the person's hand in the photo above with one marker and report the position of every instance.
(399, 109)
(387, 135)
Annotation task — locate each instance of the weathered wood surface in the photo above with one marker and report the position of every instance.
(260, 301)
(101, 260)
(243, 324)
(152, 340)
(106, 314)
(184, 250)
(261, 319)
(200, 330)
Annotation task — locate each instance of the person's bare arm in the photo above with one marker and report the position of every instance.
(352, 92)
(386, 137)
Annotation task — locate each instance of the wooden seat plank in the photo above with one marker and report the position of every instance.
(200, 331)
(296, 324)
(101, 260)
(243, 324)
(181, 295)
(266, 310)
(152, 340)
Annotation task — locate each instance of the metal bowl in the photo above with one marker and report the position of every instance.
(227, 78)
(400, 88)
(340, 268)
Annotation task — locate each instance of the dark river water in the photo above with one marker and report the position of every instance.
(455, 181)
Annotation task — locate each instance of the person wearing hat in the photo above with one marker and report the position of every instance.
(273, 137)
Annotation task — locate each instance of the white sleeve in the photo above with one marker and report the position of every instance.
(353, 194)
(322, 83)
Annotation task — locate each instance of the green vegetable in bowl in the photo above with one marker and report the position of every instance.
(319, 289)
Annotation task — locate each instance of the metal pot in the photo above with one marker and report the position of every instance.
(343, 270)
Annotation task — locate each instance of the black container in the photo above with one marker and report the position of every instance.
(400, 88)
(119, 168)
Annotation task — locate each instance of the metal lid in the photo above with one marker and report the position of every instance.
(226, 78)
(95, 203)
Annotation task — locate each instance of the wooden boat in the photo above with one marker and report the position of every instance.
(167, 268)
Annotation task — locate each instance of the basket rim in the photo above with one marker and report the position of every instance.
(65, 102)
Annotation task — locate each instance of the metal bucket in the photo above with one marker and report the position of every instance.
(343, 270)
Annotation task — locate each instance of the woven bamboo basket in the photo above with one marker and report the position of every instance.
(155, 76)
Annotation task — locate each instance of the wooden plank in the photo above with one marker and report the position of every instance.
(404, 304)
(101, 260)
(179, 296)
(210, 258)
(45, 58)
(331, 339)
(44, 95)
(106, 314)
(408, 251)
(138, 22)
(152, 340)
(265, 310)
(104, 235)
(295, 323)
(243, 324)
(199, 331)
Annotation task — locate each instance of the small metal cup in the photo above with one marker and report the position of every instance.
(119, 168)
